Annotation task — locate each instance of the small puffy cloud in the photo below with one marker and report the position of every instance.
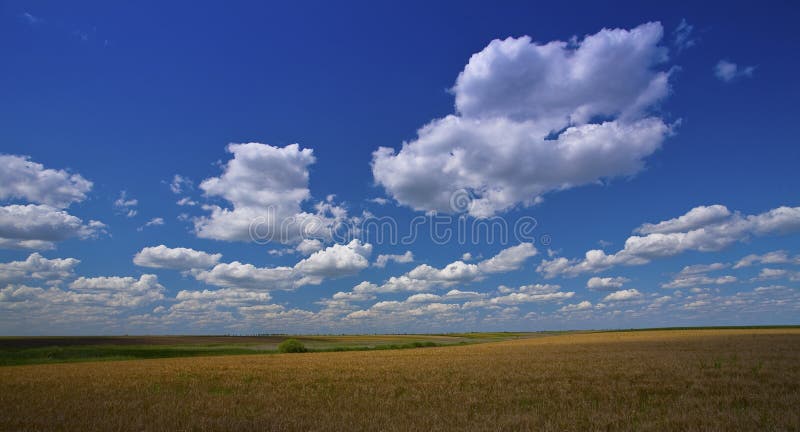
(526, 123)
(606, 283)
(773, 273)
(522, 297)
(774, 257)
(530, 289)
(769, 289)
(425, 277)
(584, 305)
(357, 295)
(41, 226)
(180, 184)
(31, 18)
(684, 281)
(457, 271)
(156, 221)
(697, 217)
(186, 201)
(508, 259)
(423, 298)
(455, 294)
(695, 231)
(126, 205)
(384, 259)
(728, 72)
(682, 36)
(21, 178)
(175, 258)
(701, 268)
(696, 304)
(623, 295)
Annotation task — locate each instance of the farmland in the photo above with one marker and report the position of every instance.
(37, 350)
(743, 379)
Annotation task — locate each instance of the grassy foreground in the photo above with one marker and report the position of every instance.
(746, 379)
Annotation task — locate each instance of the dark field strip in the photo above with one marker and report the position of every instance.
(81, 353)
(62, 354)
(48, 341)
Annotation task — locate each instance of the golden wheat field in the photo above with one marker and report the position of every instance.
(649, 380)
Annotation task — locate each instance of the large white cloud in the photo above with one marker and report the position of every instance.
(265, 186)
(41, 222)
(35, 226)
(666, 239)
(97, 303)
(175, 258)
(332, 262)
(241, 275)
(225, 298)
(21, 178)
(527, 123)
(37, 267)
(116, 291)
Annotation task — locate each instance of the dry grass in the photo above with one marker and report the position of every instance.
(658, 380)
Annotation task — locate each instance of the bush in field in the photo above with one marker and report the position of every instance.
(292, 346)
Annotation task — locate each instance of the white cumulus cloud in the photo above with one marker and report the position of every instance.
(175, 258)
(39, 226)
(666, 239)
(384, 259)
(526, 123)
(606, 283)
(37, 267)
(774, 257)
(623, 295)
(265, 186)
(21, 178)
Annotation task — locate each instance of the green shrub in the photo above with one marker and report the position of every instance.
(292, 346)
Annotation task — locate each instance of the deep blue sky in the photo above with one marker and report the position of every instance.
(128, 95)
